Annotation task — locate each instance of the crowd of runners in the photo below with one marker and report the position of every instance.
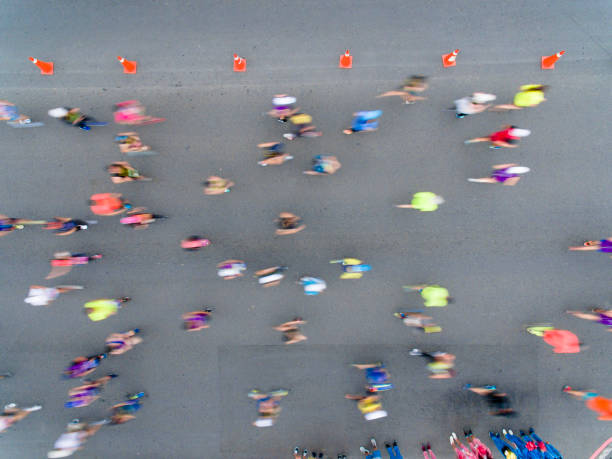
(439, 363)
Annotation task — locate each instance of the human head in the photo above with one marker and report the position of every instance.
(518, 132)
(58, 112)
(518, 170)
(482, 98)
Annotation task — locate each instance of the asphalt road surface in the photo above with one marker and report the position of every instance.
(501, 251)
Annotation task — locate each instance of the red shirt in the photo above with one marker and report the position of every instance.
(503, 136)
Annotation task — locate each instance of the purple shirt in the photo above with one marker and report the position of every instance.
(605, 245)
(501, 175)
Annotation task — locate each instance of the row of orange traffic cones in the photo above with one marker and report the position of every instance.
(46, 68)
(346, 62)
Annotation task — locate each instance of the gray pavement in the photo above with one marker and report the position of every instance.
(501, 251)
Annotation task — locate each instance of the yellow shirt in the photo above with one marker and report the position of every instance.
(527, 98)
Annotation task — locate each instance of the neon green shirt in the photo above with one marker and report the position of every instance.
(100, 309)
(434, 295)
(425, 201)
(527, 98)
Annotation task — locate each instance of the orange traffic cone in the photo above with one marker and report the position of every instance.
(128, 66)
(548, 62)
(46, 68)
(449, 60)
(346, 61)
(239, 64)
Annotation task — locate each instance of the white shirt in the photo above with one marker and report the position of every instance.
(465, 106)
(41, 296)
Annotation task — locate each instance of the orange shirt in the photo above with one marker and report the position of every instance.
(601, 405)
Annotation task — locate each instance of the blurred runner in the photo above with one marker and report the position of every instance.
(104, 308)
(131, 145)
(217, 185)
(288, 223)
(409, 91)
(352, 268)
(75, 117)
(599, 315)
(377, 376)
(419, 320)
(124, 411)
(471, 105)
(63, 262)
(64, 226)
(194, 243)
(284, 107)
(108, 204)
(593, 401)
(197, 320)
(291, 331)
(440, 364)
(122, 171)
(603, 245)
(562, 341)
(8, 224)
(133, 112)
(268, 406)
(433, 294)
(508, 137)
(88, 393)
(369, 405)
(506, 174)
(274, 154)
(324, 165)
(530, 95)
(77, 433)
(140, 220)
(119, 343)
(13, 414)
(498, 402)
(270, 277)
(365, 121)
(301, 126)
(82, 366)
(231, 269)
(39, 295)
(9, 112)
(425, 201)
(312, 285)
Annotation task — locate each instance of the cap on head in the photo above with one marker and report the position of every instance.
(482, 97)
(58, 112)
(517, 132)
(518, 170)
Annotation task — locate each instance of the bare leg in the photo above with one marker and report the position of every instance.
(483, 180)
(478, 139)
(585, 247)
(583, 315)
(500, 108)
(575, 393)
(480, 390)
(295, 337)
(392, 93)
(365, 366)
